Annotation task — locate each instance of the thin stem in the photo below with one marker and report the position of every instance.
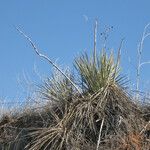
(139, 56)
(47, 58)
(118, 58)
(95, 41)
(145, 127)
(99, 137)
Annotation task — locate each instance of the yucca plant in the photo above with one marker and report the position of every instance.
(100, 116)
(75, 121)
(59, 94)
(79, 114)
(97, 72)
(106, 101)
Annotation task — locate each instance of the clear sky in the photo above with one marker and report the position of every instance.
(62, 29)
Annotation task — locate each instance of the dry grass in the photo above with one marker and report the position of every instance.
(105, 116)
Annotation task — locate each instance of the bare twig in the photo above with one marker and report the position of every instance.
(95, 40)
(145, 127)
(105, 35)
(118, 57)
(144, 63)
(119, 52)
(140, 50)
(47, 58)
(99, 137)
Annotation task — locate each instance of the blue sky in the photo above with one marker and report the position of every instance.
(64, 28)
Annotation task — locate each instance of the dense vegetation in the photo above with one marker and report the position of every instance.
(94, 113)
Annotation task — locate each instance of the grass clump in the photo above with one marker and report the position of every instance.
(102, 116)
